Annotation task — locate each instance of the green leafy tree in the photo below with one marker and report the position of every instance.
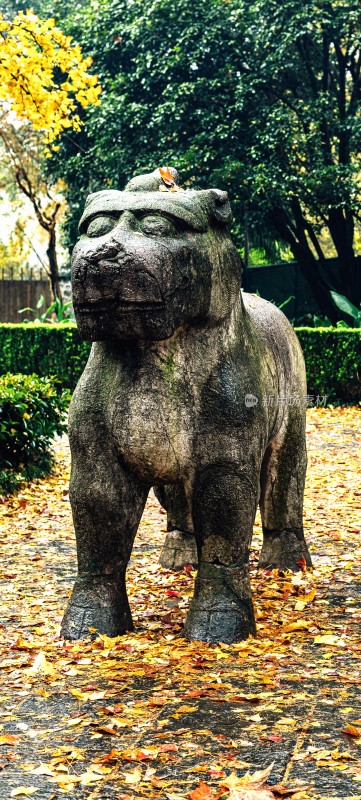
(169, 95)
(302, 86)
(256, 96)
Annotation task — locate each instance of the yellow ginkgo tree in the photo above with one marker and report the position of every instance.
(32, 53)
(44, 79)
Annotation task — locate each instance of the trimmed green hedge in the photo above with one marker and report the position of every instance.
(32, 410)
(45, 349)
(333, 362)
(333, 356)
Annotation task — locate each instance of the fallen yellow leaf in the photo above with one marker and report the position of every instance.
(327, 638)
(351, 730)
(8, 738)
(301, 624)
(76, 721)
(42, 769)
(133, 777)
(249, 793)
(42, 667)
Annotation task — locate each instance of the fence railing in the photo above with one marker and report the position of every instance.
(9, 273)
(278, 282)
(22, 293)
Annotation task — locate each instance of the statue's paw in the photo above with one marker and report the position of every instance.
(179, 549)
(96, 607)
(284, 550)
(221, 610)
(219, 625)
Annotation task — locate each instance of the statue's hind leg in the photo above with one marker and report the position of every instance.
(179, 546)
(281, 502)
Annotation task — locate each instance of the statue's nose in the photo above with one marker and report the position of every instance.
(135, 283)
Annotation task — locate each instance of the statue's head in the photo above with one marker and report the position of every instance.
(151, 259)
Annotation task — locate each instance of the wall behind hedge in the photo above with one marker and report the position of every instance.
(332, 355)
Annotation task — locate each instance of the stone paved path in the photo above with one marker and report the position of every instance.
(150, 715)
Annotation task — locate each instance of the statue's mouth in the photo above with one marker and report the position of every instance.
(124, 290)
(98, 307)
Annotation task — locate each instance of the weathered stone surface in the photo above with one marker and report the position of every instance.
(179, 548)
(176, 394)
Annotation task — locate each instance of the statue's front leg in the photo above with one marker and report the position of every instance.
(224, 507)
(107, 503)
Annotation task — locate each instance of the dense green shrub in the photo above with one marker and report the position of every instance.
(333, 362)
(333, 356)
(43, 349)
(32, 410)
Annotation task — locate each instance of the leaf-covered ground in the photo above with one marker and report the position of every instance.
(149, 715)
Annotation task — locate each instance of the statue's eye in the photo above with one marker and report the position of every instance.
(101, 225)
(153, 225)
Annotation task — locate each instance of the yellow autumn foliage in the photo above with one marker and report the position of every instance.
(31, 50)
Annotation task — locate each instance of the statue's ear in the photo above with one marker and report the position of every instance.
(220, 206)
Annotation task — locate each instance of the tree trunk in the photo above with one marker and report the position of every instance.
(308, 264)
(53, 264)
(341, 227)
(318, 284)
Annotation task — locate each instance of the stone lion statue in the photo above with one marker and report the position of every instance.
(177, 395)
